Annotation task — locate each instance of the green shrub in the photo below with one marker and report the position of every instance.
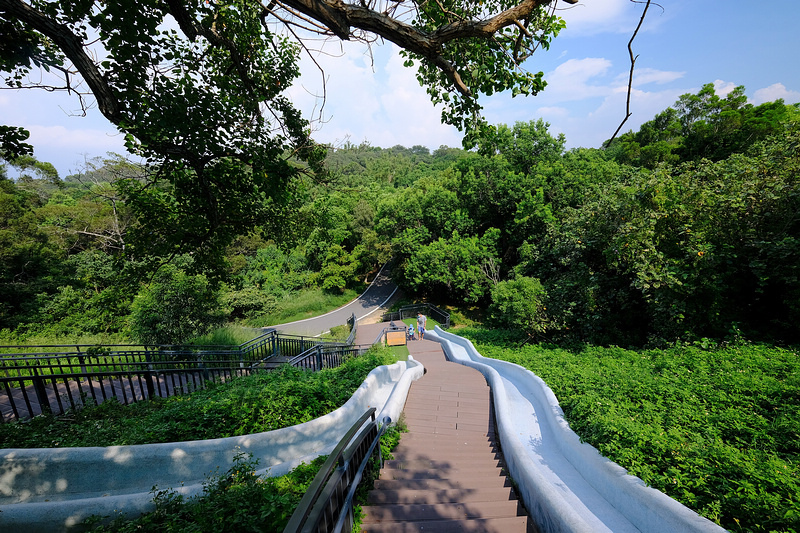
(235, 501)
(718, 429)
(175, 308)
(520, 304)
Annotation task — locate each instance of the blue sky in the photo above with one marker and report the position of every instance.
(374, 98)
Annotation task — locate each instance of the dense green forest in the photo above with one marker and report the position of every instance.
(687, 228)
(680, 238)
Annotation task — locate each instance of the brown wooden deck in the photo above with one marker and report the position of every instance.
(448, 473)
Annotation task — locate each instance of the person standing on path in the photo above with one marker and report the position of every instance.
(422, 323)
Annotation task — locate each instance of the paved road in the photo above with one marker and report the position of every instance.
(377, 294)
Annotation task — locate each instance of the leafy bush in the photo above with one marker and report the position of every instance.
(226, 336)
(519, 304)
(455, 267)
(175, 308)
(248, 302)
(680, 252)
(241, 501)
(717, 429)
(235, 501)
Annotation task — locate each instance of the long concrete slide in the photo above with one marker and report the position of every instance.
(566, 485)
(52, 490)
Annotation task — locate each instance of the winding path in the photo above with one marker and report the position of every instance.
(370, 301)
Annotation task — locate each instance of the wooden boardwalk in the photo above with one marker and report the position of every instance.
(448, 473)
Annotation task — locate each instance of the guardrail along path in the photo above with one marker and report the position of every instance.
(448, 472)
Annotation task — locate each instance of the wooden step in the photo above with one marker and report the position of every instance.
(441, 511)
(437, 484)
(454, 474)
(517, 524)
(409, 496)
(485, 461)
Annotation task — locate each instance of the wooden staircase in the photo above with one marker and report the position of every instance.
(448, 473)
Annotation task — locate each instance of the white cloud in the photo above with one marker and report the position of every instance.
(552, 112)
(59, 137)
(407, 105)
(570, 80)
(372, 99)
(68, 148)
(774, 92)
(592, 17)
(723, 88)
(594, 127)
(644, 76)
(586, 100)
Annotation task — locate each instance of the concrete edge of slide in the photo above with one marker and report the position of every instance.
(646, 508)
(56, 489)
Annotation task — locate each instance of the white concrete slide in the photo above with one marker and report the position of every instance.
(566, 485)
(52, 490)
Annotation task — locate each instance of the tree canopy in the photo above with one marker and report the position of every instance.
(199, 88)
(702, 126)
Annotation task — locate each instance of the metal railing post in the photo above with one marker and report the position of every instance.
(148, 379)
(41, 392)
(81, 360)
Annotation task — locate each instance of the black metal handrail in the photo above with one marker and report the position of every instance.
(35, 382)
(352, 323)
(327, 505)
(381, 337)
(144, 350)
(442, 317)
(321, 356)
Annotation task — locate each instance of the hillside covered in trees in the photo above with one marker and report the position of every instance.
(687, 228)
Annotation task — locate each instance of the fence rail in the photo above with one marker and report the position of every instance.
(319, 357)
(327, 505)
(410, 311)
(35, 381)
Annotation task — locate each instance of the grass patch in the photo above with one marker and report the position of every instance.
(338, 333)
(304, 304)
(250, 404)
(10, 338)
(400, 352)
(717, 429)
(228, 336)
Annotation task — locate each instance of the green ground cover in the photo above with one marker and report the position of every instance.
(251, 404)
(717, 428)
(400, 352)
